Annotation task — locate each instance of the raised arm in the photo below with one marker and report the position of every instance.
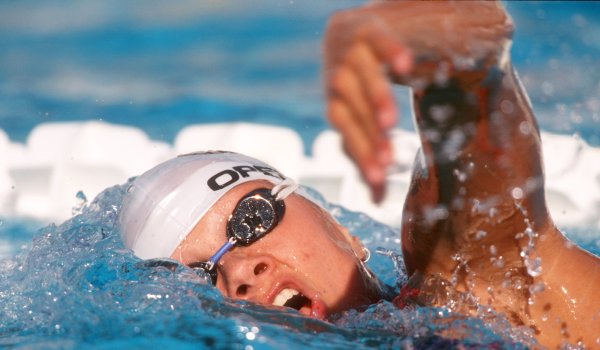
(475, 214)
(366, 47)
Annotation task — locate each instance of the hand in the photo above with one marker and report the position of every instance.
(359, 52)
(368, 46)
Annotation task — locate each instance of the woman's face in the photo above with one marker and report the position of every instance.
(307, 262)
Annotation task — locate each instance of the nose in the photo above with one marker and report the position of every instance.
(247, 278)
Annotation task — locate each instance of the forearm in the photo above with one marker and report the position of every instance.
(490, 180)
(481, 130)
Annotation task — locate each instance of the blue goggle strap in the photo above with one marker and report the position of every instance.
(219, 254)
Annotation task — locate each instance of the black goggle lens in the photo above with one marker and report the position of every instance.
(255, 215)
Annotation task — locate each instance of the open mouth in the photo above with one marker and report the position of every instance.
(291, 298)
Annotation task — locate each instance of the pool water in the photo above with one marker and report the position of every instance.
(160, 67)
(76, 286)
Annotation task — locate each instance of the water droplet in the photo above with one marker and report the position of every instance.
(525, 128)
(537, 288)
(442, 73)
(81, 202)
(480, 234)
(517, 193)
(534, 266)
(441, 113)
(548, 88)
(576, 117)
(461, 176)
(438, 213)
(507, 107)
(498, 262)
(81, 196)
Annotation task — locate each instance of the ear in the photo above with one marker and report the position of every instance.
(355, 243)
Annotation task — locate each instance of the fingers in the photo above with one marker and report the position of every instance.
(360, 146)
(389, 51)
(347, 88)
(361, 103)
(376, 88)
(351, 111)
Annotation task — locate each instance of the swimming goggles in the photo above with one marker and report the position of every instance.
(255, 215)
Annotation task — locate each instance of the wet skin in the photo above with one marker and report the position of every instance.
(307, 251)
(494, 221)
(475, 213)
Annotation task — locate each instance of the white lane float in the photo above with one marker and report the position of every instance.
(281, 147)
(572, 180)
(61, 159)
(7, 192)
(40, 179)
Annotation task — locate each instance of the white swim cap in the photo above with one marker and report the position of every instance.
(164, 204)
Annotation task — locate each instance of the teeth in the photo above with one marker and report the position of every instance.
(284, 296)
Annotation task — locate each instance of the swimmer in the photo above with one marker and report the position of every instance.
(474, 219)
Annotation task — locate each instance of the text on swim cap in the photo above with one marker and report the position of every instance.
(228, 177)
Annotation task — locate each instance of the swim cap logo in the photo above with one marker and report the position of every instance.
(228, 177)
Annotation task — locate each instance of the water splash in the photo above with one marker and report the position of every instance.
(80, 204)
(77, 286)
(399, 266)
(532, 262)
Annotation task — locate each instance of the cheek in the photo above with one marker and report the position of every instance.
(312, 245)
(323, 260)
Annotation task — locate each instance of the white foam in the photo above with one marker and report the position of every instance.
(40, 179)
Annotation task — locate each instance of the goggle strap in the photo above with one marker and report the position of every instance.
(219, 254)
(284, 189)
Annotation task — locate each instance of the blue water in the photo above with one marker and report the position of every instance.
(160, 67)
(76, 286)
